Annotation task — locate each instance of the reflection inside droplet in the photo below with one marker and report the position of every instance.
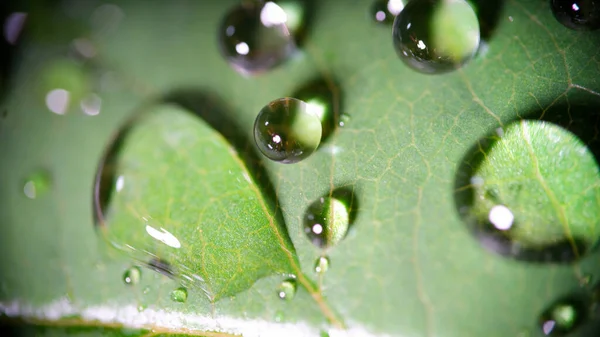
(242, 48)
(501, 217)
(29, 190)
(163, 236)
(395, 6)
(91, 105)
(13, 25)
(548, 326)
(380, 16)
(57, 101)
(120, 183)
(271, 15)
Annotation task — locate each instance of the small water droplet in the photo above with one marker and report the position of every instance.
(562, 317)
(179, 295)
(146, 290)
(577, 14)
(322, 264)
(287, 289)
(91, 105)
(287, 131)
(328, 219)
(62, 83)
(132, 275)
(254, 37)
(37, 183)
(279, 316)
(436, 36)
(141, 308)
(344, 119)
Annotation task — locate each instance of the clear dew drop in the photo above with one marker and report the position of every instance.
(179, 295)
(507, 197)
(287, 131)
(254, 37)
(287, 289)
(132, 276)
(328, 218)
(577, 14)
(344, 119)
(37, 184)
(562, 317)
(436, 36)
(322, 264)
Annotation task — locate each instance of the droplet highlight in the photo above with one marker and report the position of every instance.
(562, 317)
(179, 295)
(253, 37)
(37, 184)
(577, 14)
(287, 289)
(436, 36)
(132, 275)
(529, 192)
(380, 13)
(327, 219)
(287, 131)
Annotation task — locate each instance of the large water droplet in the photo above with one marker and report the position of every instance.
(436, 36)
(287, 131)
(530, 192)
(36, 184)
(287, 289)
(328, 218)
(562, 317)
(179, 295)
(322, 264)
(254, 37)
(577, 14)
(132, 275)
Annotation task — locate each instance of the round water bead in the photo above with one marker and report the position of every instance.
(132, 275)
(287, 289)
(287, 131)
(253, 37)
(577, 14)
(179, 295)
(436, 36)
(529, 191)
(562, 317)
(326, 221)
(322, 264)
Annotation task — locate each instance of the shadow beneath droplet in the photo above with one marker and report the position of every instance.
(210, 108)
(488, 13)
(581, 116)
(326, 92)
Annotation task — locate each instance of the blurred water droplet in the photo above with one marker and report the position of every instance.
(141, 307)
(36, 184)
(179, 295)
(322, 264)
(132, 276)
(327, 219)
(287, 131)
(279, 316)
(84, 47)
(253, 37)
(577, 14)
(58, 100)
(562, 317)
(91, 105)
(106, 19)
(13, 25)
(287, 289)
(344, 119)
(436, 36)
(385, 11)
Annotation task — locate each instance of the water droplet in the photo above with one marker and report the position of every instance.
(562, 317)
(146, 290)
(322, 264)
(510, 193)
(287, 289)
(380, 12)
(287, 131)
(436, 36)
(132, 275)
(91, 105)
(37, 184)
(13, 25)
(344, 119)
(63, 82)
(323, 99)
(254, 37)
(179, 295)
(577, 14)
(141, 308)
(328, 219)
(279, 316)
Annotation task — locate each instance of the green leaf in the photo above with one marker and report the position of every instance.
(180, 196)
(409, 265)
